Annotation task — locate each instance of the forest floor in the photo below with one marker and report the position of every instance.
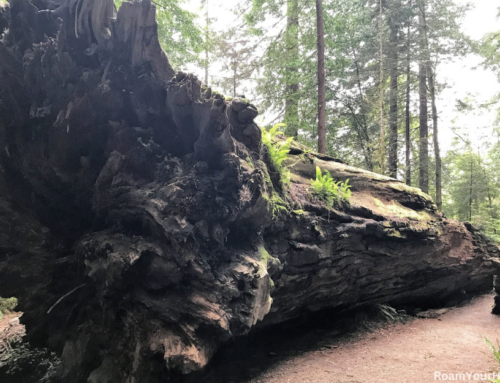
(10, 328)
(323, 351)
(411, 352)
(10, 331)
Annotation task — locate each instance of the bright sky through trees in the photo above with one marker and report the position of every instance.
(464, 80)
(460, 76)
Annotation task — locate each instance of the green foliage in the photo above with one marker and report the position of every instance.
(496, 354)
(287, 77)
(7, 305)
(326, 189)
(278, 151)
(389, 314)
(278, 205)
(33, 364)
(488, 48)
(178, 33)
(495, 350)
(235, 52)
(471, 185)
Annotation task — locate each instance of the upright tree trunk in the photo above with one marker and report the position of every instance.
(470, 188)
(435, 137)
(393, 109)
(408, 95)
(422, 89)
(381, 93)
(207, 36)
(435, 134)
(363, 136)
(292, 57)
(235, 73)
(321, 78)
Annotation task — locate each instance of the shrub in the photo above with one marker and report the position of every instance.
(326, 189)
(24, 363)
(278, 151)
(6, 305)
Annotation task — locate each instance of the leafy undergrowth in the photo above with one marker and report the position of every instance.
(7, 305)
(326, 189)
(19, 361)
(278, 151)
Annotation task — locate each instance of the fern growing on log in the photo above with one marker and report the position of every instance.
(278, 151)
(326, 189)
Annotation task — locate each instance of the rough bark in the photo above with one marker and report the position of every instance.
(393, 102)
(407, 108)
(143, 224)
(435, 134)
(292, 59)
(207, 39)
(381, 149)
(496, 307)
(435, 137)
(321, 78)
(423, 180)
(360, 124)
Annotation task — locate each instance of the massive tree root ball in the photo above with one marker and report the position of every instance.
(143, 223)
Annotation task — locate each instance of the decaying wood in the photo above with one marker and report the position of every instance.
(155, 196)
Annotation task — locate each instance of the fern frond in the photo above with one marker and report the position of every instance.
(494, 350)
(325, 188)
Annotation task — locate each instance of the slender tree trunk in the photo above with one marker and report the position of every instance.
(321, 78)
(422, 89)
(492, 213)
(364, 137)
(206, 43)
(393, 109)
(408, 95)
(381, 93)
(234, 81)
(470, 190)
(292, 57)
(435, 137)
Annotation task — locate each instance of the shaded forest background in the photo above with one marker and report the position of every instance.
(382, 80)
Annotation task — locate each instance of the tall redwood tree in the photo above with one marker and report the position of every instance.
(321, 78)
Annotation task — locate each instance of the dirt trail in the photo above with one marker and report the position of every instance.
(403, 353)
(399, 353)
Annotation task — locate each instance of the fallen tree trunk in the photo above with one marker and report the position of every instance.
(144, 224)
